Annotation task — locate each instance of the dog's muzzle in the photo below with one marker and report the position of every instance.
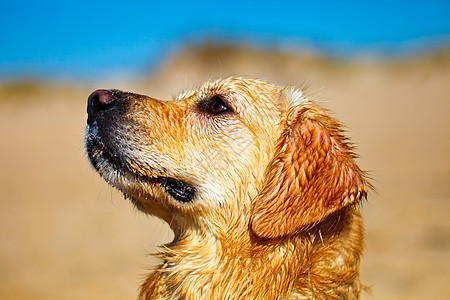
(106, 125)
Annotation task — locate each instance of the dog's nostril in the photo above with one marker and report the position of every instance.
(100, 99)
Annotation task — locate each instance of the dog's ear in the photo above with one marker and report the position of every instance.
(312, 175)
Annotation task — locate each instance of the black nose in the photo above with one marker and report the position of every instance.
(100, 100)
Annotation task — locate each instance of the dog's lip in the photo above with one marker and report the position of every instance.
(99, 154)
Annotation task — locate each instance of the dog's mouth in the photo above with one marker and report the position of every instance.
(131, 181)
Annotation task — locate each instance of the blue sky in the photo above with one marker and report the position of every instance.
(82, 39)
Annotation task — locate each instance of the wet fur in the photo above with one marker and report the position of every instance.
(274, 212)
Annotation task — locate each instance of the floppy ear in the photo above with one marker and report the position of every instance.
(312, 175)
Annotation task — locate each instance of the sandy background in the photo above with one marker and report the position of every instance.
(64, 234)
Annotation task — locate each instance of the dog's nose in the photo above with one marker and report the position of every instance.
(99, 100)
(108, 104)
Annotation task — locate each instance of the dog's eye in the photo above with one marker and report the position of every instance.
(215, 106)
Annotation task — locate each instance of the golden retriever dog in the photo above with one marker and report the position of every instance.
(257, 182)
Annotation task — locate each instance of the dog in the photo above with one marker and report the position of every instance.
(256, 180)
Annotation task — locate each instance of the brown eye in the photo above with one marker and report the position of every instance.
(215, 106)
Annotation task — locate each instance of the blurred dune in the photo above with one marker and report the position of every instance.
(64, 234)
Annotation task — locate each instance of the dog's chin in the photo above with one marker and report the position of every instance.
(136, 185)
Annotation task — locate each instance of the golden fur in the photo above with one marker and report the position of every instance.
(257, 182)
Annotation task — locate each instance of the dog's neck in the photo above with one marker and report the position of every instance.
(316, 264)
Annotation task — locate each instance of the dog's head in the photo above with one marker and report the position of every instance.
(232, 155)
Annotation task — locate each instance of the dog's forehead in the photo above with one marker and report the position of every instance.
(230, 85)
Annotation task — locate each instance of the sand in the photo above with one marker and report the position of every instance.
(64, 234)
